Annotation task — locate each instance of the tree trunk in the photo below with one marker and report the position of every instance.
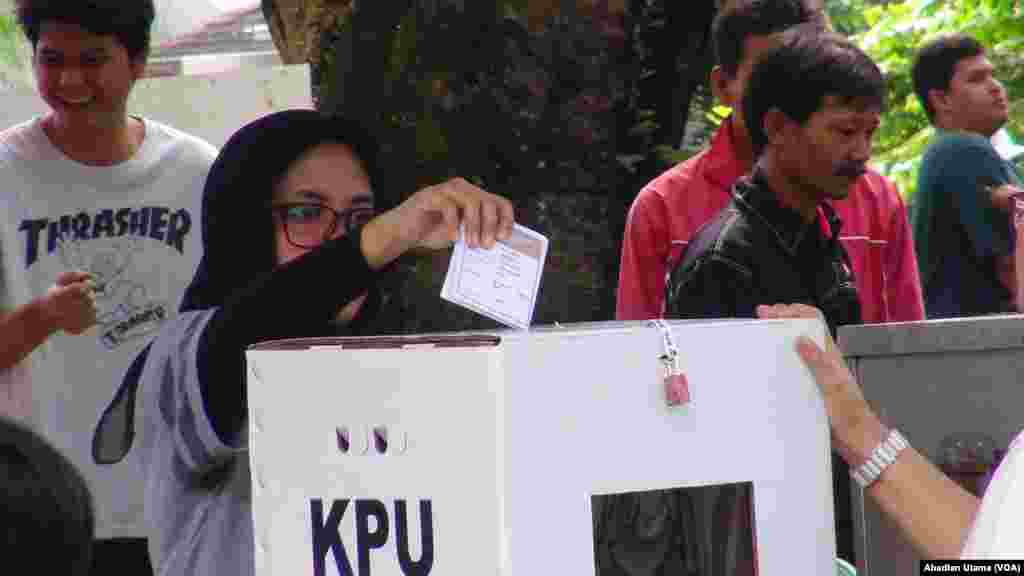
(692, 60)
(532, 99)
(813, 4)
(297, 26)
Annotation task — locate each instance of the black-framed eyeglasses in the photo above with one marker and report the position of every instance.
(309, 224)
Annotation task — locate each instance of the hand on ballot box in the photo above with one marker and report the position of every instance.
(852, 421)
(931, 510)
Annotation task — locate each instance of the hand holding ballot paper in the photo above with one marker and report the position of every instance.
(432, 218)
(496, 265)
(501, 282)
(321, 263)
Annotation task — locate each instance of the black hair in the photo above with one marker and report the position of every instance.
(936, 62)
(747, 18)
(47, 510)
(127, 20)
(237, 226)
(796, 77)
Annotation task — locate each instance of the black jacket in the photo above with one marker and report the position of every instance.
(756, 251)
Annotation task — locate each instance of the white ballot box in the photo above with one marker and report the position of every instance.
(474, 454)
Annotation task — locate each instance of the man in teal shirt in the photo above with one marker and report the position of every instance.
(961, 220)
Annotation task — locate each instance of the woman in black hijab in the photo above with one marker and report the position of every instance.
(292, 244)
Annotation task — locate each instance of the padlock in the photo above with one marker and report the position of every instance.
(677, 388)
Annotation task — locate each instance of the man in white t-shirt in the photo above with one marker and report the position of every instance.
(113, 203)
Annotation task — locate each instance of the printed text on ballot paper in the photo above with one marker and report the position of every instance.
(500, 283)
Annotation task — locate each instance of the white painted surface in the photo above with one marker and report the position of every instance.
(510, 442)
(210, 106)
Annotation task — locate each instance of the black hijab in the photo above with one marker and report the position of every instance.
(237, 227)
(237, 233)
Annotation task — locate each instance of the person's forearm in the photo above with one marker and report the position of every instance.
(1006, 269)
(932, 511)
(22, 330)
(640, 292)
(294, 301)
(641, 285)
(1002, 196)
(379, 244)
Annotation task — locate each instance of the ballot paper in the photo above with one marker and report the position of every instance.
(500, 283)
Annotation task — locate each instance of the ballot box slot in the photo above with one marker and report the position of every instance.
(382, 342)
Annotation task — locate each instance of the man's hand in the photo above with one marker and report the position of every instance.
(70, 304)
(431, 218)
(1002, 196)
(855, 428)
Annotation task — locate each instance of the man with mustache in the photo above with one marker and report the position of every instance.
(961, 222)
(811, 107)
(673, 206)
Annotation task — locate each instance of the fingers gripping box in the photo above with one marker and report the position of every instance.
(551, 451)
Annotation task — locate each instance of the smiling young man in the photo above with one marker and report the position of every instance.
(89, 187)
(961, 219)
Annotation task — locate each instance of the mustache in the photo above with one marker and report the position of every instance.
(851, 169)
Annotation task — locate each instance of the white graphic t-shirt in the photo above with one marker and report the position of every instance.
(135, 227)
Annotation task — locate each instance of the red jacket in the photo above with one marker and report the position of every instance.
(673, 206)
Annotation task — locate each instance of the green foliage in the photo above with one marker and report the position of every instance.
(896, 30)
(526, 103)
(848, 16)
(12, 43)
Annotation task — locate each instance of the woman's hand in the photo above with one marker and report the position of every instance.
(932, 511)
(431, 218)
(855, 428)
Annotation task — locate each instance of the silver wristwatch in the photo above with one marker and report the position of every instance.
(881, 457)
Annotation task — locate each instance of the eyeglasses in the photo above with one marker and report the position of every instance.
(307, 225)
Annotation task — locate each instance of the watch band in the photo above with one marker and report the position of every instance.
(881, 457)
